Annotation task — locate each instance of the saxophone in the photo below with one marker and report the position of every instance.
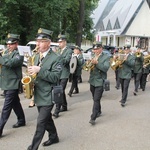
(27, 80)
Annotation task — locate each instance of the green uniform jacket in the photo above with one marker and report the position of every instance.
(99, 73)
(47, 77)
(125, 72)
(11, 70)
(65, 58)
(138, 64)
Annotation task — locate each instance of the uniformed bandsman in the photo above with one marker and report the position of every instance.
(125, 73)
(47, 75)
(98, 74)
(10, 79)
(65, 54)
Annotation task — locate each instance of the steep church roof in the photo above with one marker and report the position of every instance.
(118, 15)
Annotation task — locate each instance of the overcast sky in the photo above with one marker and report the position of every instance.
(98, 10)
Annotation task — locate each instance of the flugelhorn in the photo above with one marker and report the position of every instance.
(88, 65)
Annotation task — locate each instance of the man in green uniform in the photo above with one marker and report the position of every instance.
(125, 73)
(47, 68)
(98, 74)
(137, 69)
(10, 78)
(79, 57)
(65, 54)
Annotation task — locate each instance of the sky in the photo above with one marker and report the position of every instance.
(98, 10)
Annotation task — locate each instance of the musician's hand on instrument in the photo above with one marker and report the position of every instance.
(33, 69)
(94, 61)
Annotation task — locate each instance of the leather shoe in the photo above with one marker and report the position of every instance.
(17, 125)
(3, 94)
(98, 114)
(122, 104)
(1, 133)
(92, 122)
(56, 115)
(69, 94)
(51, 141)
(29, 148)
(135, 93)
(63, 109)
(30, 106)
(76, 92)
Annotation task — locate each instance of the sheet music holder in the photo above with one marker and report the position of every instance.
(25, 51)
(87, 56)
(2, 47)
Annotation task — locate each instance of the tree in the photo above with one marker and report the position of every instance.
(24, 17)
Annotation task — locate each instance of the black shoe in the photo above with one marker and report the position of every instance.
(1, 132)
(30, 106)
(98, 114)
(17, 125)
(3, 94)
(51, 141)
(123, 104)
(70, 94)
(134, 93)
(56, 115)
(76, 92)
(92, 122)
(143, 89)
(117, 87)
(63, 109)
(29, 148)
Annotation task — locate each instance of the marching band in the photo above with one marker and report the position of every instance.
(125, 64)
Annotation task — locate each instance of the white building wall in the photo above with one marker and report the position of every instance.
(138, 27)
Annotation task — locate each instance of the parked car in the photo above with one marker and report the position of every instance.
(32, 45)
(89, 50)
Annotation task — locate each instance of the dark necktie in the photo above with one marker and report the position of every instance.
(41, 58)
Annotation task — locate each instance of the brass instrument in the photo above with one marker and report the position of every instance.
(146, 61)
(117, 62)
(27, 80)
(138, 54)
(88, 65)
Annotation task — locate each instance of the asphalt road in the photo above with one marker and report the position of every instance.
(118, 128)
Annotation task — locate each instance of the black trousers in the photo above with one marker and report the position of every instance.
(124, 88)
(137, 77)
(74, 85)
(63, 82)
(117, 79)
(143, 81)
(12, 101)
(44, 123)
(97, 93)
